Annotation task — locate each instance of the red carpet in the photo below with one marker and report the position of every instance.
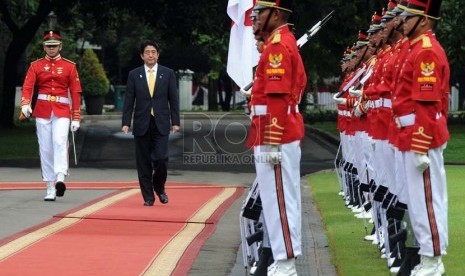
(85, 185)
(116, 235)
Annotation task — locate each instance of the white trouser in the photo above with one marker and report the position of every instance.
(350, 148)
(400, 185)
(386, 154)
(367, 150)
(374, 167)
(344, 146)
(281, 199)
(383, 163)
(427, 204)
(362, 155)
(53, 146)
(358, 153)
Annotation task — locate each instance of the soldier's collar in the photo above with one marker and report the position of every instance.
(58, 57)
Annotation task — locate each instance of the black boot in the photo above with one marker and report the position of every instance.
(410, 261)
(265, 259)
(400, 236)
(398, 250)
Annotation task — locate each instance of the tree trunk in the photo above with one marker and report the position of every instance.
(9, 87)
(212, 95)
(21, 38)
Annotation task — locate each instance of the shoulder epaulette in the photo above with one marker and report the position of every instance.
(36, 60)
(276, 38)
(426, 42)
(70, 61)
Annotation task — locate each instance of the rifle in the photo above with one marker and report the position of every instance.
(367, 75)
(365, 78)
(310, 33)
(304, 38)
(349, 84)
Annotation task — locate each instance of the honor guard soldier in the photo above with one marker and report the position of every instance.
(276, 132)
(343, 112)
(57, 106)
(420, 110)
(358, 122)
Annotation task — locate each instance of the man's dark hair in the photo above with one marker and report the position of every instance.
(146, 43)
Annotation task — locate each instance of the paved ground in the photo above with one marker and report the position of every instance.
(105, 154)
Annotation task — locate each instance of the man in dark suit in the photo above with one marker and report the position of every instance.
(152, 95)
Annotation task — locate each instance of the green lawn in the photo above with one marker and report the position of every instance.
(328, 127)
(20, 142)
(455, 151)
(354, 256)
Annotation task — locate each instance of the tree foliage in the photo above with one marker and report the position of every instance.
(450, 32)
(93, 78)
(22, 33)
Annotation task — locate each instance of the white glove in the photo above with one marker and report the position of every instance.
(341, 101)
(75, 126)
(358, 110)
(421, 161)
(246, 93)
(274, 155)
(26, 110)
(354, 92)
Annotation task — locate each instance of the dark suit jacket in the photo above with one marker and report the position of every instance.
(165, 101)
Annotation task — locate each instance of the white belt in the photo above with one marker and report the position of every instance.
(51, 98)
(344, 113)
(409, 120)
(259, 110)
(383, 103)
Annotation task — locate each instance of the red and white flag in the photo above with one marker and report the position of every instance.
(242, 54)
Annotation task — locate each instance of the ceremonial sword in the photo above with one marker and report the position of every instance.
(74, 148)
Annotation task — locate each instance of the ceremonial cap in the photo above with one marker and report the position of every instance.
(362, 38)
(52, 38)
(400, 7)
(286, 5)
(428, 8)
(347, 54)
(375, 22)
(390, 10)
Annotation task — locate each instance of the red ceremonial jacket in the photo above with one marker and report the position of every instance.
(360, 124)
(279, 83)
(371, 94)
(53, 77)
(423, 90)
(342, 109)
(401, 51)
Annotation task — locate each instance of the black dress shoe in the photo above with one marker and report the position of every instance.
(148, 203)
(61, 188)
(163, 198)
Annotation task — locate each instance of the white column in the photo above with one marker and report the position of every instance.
(185, 89)
(454, 98)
